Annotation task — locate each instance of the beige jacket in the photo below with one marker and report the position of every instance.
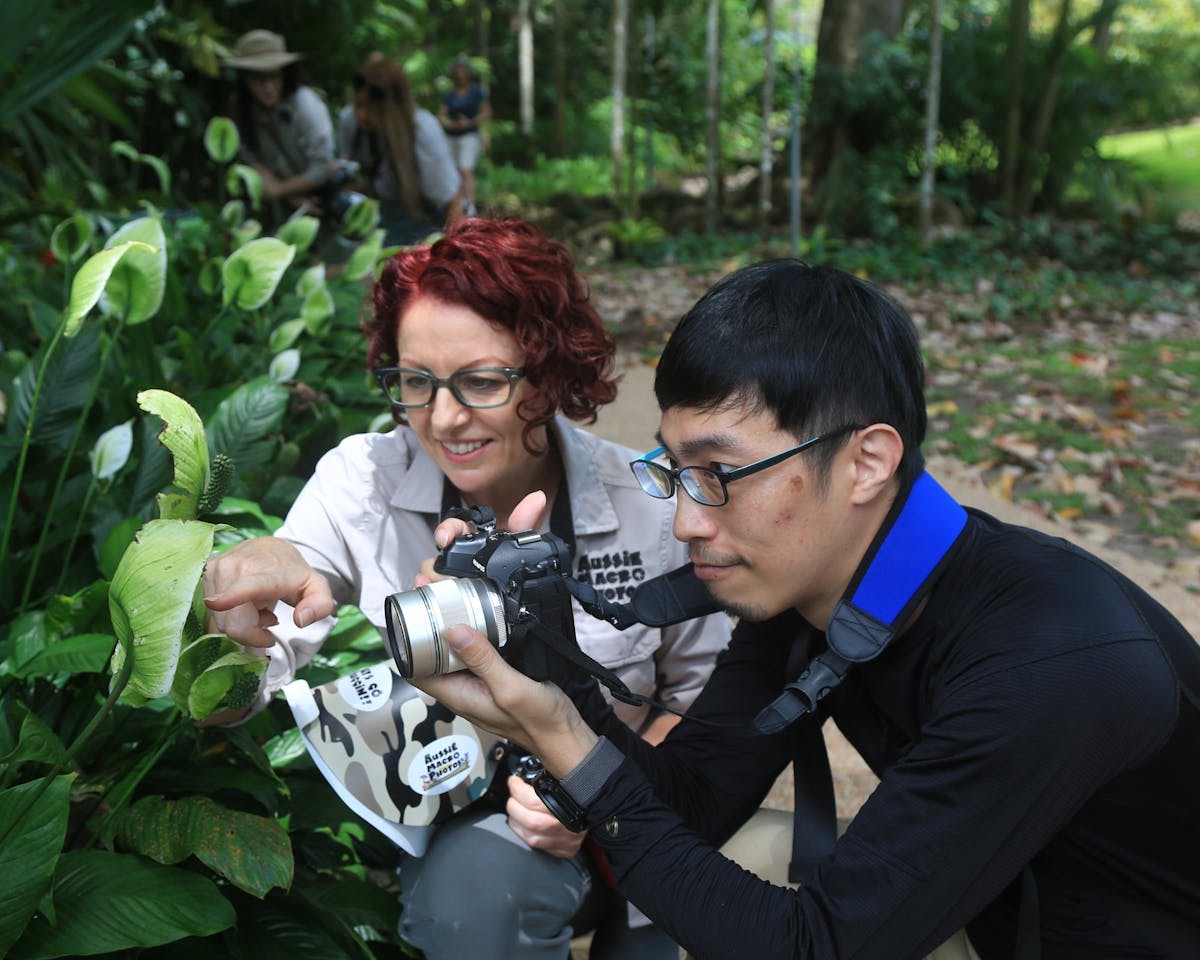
(365, 521)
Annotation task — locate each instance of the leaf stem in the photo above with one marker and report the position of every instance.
(27, 441)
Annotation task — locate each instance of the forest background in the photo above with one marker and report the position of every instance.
(1023, 174)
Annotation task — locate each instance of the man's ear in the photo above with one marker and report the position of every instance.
(878, 451)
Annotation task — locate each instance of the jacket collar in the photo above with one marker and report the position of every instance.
(592, 510)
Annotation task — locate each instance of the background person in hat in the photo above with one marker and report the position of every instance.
(286, 130)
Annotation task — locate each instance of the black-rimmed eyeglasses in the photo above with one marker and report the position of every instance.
(477, 387)
(704, 484)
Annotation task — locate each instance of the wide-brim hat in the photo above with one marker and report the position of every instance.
(260, 50)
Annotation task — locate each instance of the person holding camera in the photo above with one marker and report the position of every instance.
(1033, 714)
(285, 129)
(487, 346)
(402, 153)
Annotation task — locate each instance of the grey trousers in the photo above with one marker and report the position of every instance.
(479, 891)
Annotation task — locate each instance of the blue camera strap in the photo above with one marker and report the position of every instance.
(891, 581)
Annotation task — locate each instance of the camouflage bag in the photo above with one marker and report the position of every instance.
(398, 758)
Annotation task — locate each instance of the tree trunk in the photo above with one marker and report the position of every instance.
(650, 95)
(1102, 26)
(560, 78)
(1011, 148)
(767, 157)
(933, 99)
(483, 24)
(712, 116)
(620, 21)
(1027, 176)
(845, 25)
(525, 65)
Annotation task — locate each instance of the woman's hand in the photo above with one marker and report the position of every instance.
(537, 826)
(243, 585)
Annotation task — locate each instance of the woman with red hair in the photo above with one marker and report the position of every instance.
(486, 345)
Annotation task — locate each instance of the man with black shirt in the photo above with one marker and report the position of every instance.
(1033, 715)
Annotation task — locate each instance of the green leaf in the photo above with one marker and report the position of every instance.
(36, 741)
(310, 279)
(251, 273)
(241, 178)
(245, 231)
(285, 747)
(360, 218)
(317, 311)
(111, 450)
(65, 389)
(357, 903)
(235, 508)
(71, 237)
(160, 170)
(150, 597)
(362, 260)
(183, 435)
(115, 543)
(244, 424)
(30, 841)
(232, 214)
(284, 366)
(90, 281)
(299, 232)
(210, 275)
(231, 683)
(221, 139)
(251, 852)
(123, 148)
(80, 653)
(136, 287)
(194, 659)
(118, 901)
(284, 335)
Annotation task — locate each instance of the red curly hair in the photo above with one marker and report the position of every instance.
(517, 278)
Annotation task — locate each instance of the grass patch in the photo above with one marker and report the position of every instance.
(1167, 161)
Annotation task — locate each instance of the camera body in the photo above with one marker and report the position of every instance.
(508, 586)
(343, 172)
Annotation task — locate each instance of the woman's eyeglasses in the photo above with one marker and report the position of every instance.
(704, 484)
(477, 387)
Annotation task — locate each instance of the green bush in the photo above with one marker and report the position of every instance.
(126, 828)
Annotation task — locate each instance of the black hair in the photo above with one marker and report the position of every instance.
(816, 346)
(293, 76)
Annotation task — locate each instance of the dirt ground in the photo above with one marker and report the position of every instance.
(633, 419)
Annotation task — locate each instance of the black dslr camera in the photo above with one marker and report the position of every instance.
(512, 588)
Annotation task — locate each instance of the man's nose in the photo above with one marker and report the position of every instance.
(693, 521)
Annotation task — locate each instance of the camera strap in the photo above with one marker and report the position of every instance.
(895, 574)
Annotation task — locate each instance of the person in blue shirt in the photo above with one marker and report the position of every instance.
(463, 112)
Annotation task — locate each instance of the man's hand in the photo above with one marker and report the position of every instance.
(243, 585)
(537, 826)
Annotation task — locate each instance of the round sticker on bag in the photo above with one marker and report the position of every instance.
(367, 689)
(443, 764)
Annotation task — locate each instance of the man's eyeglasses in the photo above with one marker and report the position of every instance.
(477, 387)
(705, 485)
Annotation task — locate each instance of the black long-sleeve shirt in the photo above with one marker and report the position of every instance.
(1042, 710)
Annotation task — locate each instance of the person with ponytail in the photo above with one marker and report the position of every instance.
(402, 151)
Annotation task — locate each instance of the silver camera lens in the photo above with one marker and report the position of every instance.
(417, 620)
